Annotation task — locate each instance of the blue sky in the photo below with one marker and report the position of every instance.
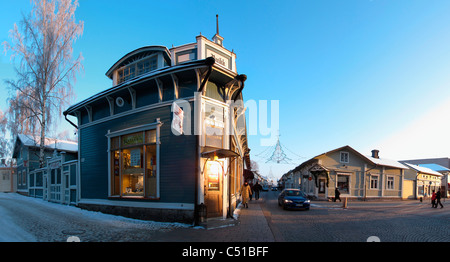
(365, 73)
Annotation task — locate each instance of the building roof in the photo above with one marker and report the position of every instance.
(136, 54)
(372, 160)
(152, 74)
(50, 143)
(435, 167)
(422, 169)
(386, 162)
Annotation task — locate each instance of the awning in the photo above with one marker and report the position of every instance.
(220, 153)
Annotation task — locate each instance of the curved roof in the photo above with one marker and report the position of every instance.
(136, 54)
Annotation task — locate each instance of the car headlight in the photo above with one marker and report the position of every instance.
(307, 201)
(287, 201)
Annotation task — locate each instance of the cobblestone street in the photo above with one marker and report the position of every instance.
(26, 219)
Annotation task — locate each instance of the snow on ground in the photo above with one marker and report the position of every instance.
(10, 231)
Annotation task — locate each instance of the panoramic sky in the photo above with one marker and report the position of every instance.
(372, 74)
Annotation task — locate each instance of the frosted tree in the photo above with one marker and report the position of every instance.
(3, 140)
(43, 46)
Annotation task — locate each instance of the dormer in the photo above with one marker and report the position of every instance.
(139, 62)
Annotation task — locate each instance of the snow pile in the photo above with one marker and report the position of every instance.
(10, 231)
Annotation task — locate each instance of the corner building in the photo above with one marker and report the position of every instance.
(167, 141)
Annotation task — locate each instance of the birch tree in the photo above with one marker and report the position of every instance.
(3, 140)
(42, 44)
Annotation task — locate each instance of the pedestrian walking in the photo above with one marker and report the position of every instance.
(438, 199)
(433, 200)
(257, 188)
(337, 195)
(246, 192)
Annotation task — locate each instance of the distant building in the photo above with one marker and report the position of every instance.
(57, 180)
(7, 177)
(425, 180)
(354, 174)
(441, 165)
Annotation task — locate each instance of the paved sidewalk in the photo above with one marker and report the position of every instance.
(250, 226)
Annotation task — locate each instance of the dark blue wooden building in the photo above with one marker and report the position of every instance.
(57, 180)
(167, 141)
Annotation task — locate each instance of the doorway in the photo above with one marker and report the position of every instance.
(214, 188)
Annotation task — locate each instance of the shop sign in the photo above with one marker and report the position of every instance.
(133, 139)
(220, 59)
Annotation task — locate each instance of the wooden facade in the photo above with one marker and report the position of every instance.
(56, 181)
(355, 175)
(166, 141)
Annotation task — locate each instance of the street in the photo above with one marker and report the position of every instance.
(396, 221)
(26, 219)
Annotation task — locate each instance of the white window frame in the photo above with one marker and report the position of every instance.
(343, 153)
(375, 178)
(388, 180)
(349, 176)
(153, 126)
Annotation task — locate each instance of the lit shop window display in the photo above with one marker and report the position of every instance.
(134, 165)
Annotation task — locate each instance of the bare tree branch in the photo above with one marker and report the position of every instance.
(46, 68)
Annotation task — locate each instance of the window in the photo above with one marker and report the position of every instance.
(133, 165)
(136, 68)
(344, 157)
(390, 183)
(343, 182)
(374, 182)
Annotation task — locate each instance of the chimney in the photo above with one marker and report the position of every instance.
(3, 163)
(375, 153)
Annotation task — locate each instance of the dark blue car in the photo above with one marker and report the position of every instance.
(293, 199)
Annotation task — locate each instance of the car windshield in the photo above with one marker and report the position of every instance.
(294, 193)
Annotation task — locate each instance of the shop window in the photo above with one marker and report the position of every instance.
(133, 165)
(343, 182)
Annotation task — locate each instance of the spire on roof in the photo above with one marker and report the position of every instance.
(217, 38)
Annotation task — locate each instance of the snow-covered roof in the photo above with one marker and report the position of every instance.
(435, 167)
(386, 162)
(423, 169)
(52, 143)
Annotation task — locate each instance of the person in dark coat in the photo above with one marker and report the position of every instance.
(257, 188)
(337, 195)
(438, 199)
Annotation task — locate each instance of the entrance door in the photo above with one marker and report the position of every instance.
(55, 185)
(322, 184)
(213, 188)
